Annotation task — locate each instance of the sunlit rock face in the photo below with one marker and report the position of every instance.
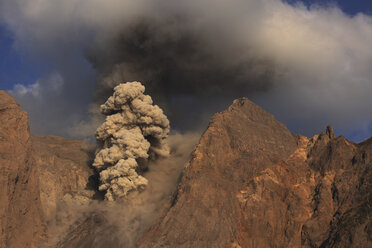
(251, 183)
(65, 173)
(21, 216)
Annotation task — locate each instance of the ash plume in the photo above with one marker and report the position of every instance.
(134, 131)
(308, 65)
(123, 221)
(183, 68)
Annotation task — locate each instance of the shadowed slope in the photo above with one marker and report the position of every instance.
(251, 184)
(239, 143)
(21, 217)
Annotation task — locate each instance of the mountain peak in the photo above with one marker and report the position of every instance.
(330, 132)
(7, 101)
(251, 183)
(21, 222)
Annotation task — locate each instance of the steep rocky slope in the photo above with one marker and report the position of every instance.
(253, 184)
(42, 179)
(250, 183)
(21, 218)
(238, 144)
(64, 171)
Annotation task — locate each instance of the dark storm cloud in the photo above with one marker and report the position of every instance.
(310, 67)
(178, 63)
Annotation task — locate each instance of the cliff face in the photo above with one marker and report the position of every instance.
(21, 218)
(317, 197)
(41, 180)
(65, 175)
(251, 183)
(238, 144)
(67, 182)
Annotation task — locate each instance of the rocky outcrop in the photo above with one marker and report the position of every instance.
(251, 183)
(21, 215)
(42, 180)
(65, 173)
(238, 144)
(303, 200)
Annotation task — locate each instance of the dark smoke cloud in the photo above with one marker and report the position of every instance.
(176, 62)
(183, 60)
(308, 66)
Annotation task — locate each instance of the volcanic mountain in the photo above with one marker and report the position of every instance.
(249, 183)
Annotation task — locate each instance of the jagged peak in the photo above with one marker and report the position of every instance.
(330, 132)
(240, 102)
(7, 101)
(249, 107)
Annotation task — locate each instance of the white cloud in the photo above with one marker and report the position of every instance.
(52, 84)
(22, 90)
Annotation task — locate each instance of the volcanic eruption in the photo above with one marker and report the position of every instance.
(134, 131)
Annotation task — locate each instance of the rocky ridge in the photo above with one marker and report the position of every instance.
(250, 183)
(21, 219)
(253, 184)
(40, 177)
(64, 172)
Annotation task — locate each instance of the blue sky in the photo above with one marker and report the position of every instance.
(17, 66)
(351, 7)
(13, 68)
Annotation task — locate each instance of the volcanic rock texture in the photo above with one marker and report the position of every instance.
(40, 177)
(21, 218)
(251, 183)
(65, 174)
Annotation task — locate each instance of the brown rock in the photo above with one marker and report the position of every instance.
(65, 172)
(238, 144)
(42, 180)
(249, 185)
(21, 218)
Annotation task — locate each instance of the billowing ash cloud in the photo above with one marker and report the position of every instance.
(134, 131)
(308, 66)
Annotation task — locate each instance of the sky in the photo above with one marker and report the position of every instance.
(16, 68)
(13, 66)
(348, 6)
(312, 60)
